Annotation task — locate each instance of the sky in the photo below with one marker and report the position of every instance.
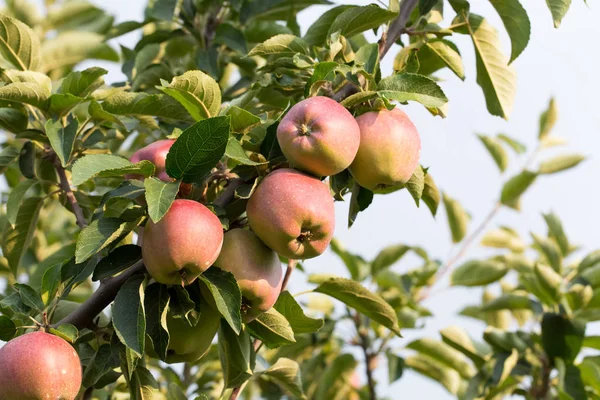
(558, 62)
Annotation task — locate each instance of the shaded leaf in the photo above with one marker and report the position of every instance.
(159, 197)
(478, 273)
(128, 313)
(458, 218)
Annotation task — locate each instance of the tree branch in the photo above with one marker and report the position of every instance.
(228, 195)
(84, 315)
(66, 187)
(369, 357)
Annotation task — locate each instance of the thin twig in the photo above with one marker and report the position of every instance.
(228, 195)
(364, 345)
(66, 187)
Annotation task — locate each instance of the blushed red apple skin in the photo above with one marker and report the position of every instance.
(157, 154)
(319, 136)
(256, 268)
(39, 366)
(389, 151)
(187, 240)
(292, 213)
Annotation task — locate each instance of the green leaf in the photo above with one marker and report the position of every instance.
(428, 367)
(98, 114)
(560, 163)
(550, 250)
(235, 151)
(16, 240)
(158, 105)
(503, 239)
(162, 9)
(549, 282)
(50, 282)
(591, 260)
(458, 219)
(431, 194)
(7, 156)
(83, 83)
(131, 189)
(117, 260)
(31, 93)
(232, 37)
(62, 138)
(67, 332)
(70, 48)
(517, 146)
(515, 20)
(159, 197)
(273, 9)
(143, 385)
(19, 45)
(15, 199)
(8, 329)
(101, 363)
(509, 301)
(99, 234)
(198, 149)
(558, 9)
(156, 306)
(478, 273)
(356, 296)
(287, 306)
(281, 45)
(356, 20)
(448, 53)
(496, 78)
(416, 184)
(107, 165)
(458, 339)
(286, 374)
(388, 257)
(128, 314)
(13, 117)
(360, 200)
(590, 373)
(29, 296)
(241, 120)
(548, 119)
(444, 354)
(197, 92)
(368, 57)
(177, 393)
(272, 328)
(225, 292)
(406, 86)
(317, 33)
(323, 72)
(395, 367)
(236, 355)
(562, 337)
(496, 150)
(357, 266)
(358, 98)
(515, 187)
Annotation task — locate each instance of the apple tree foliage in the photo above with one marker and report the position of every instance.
(218, 76)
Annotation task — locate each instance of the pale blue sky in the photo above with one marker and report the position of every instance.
(561, 63)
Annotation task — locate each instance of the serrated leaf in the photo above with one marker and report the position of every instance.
(67, 332)
(15, 198)
(241, 120)
(560, 163)
(286, 374)
(496, 78)
(562, 337)
(16, 240)
(107, 165)
(515, 187)
(444, 354)
(197, 92)
(428, 367)
(356, 20)
(117, 260)
(13, 117)
(458, 339)
(448, 53)
(235, 151)
(29, 296)
(102, 362)
(317, 33)
(70, 48)
(416, 184)
(515, 20)
(236, 354)
(162, 9)
(8, 329)
(293, 313)
(128, 314)
(478, 273)
(99, 234)
(458, 219)
(272, 328)
(281, 45)
(131, 189)
(31, 93)
(226, 294)
(62, 138)
(156, 306)
(232, 37)
(158, 105)
(358, 98)
(356, 296)
(388, 257)
(198, 149)
(323, 72)
(19, 45)
(406, 86)
(98, 114)
(558, 9)
(496, 150)
(159, 197)
(83, 83)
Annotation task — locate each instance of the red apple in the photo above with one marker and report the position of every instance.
(39, 366)
(157, 154)
(319, 136)
(389, 151)
(183, 244)
(292, 213)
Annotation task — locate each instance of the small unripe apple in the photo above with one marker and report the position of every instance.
(389, 151)
(183, 244)
(292, 213)
(39, 366)
(157, 154)
(189, 343)
(256, 268)
(319, 136)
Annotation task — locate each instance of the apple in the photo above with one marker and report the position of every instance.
(157, 154)
(39, 366)
(256, 268)
(183, 244)
(292, 213)
(319, 136)
(389, 151)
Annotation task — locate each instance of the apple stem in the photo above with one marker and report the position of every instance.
(288, 272)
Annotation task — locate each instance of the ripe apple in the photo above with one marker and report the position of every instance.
(292, 213)
(389, 150)
(319, 136)
(256, 268)
(39, 366)
(189, 343)
(157, 154)
(183, 244)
